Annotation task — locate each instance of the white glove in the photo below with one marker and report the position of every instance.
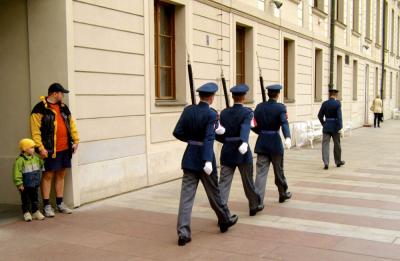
(288, 143)
(243, 148)
(341, 132)
(208, 168)
(220, 130)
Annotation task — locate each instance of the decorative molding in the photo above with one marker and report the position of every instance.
(295, 1)
(340, 24)
(318, 12)
(356, 33)
(169, 103)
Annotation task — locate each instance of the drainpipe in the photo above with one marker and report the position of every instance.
(383, 46)
(332, 44)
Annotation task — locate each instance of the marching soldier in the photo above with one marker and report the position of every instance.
(269, 117)
(330, 116)
(235, 150)
(196, 127)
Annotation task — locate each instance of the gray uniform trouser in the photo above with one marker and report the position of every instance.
(190, 182)
(246, 172)
(263, 162)
(337, 151)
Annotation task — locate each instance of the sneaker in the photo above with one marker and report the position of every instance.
(48, 211)
(62, 208)
(37, 215)
(27, 217)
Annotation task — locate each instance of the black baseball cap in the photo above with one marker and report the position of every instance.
(56, 87)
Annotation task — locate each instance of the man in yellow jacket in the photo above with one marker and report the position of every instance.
(56, 137)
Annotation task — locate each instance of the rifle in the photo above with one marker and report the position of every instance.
(224, 88)
(264, 96)
(189, 65)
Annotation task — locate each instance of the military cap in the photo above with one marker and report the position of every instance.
(208, 88)
(334, 90)
(239, 89)
(274, 88)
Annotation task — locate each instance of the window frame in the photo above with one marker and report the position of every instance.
(157, 66)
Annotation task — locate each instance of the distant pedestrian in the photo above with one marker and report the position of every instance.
(377, 109)
(54, 132)
(27, 173)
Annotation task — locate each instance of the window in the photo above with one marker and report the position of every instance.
(240, 55)
(318, 69)
(392, 33)
(356, 15)
(355, 79)
(376, 81)
(339, 76)
(164, 30)
(386, 26)
(244, 57)
(391, 85)
(340, 11)
(398, 36)
(384, 85)
(378, 21)
(319, 4)
(289, 70)
(368, 20)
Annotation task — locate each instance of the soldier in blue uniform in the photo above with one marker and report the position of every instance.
(330, 116)
(196, 127)
(235, 150)
(270, 116)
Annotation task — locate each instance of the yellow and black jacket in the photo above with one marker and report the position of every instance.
(44, 126)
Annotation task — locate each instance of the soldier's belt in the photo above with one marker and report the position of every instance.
(233, 139)
(331, 119)
(195, 143)
(269, 132)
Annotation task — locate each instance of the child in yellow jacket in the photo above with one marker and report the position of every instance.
(27, 174)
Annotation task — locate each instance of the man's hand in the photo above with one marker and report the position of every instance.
(208, 168)
(288, 143)
(75, 147)
(44, 154)
(341, 132)
(21, 188)
(220, 130)
(243, 148)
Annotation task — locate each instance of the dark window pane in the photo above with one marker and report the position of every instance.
(166, 14)
(165, 51)
(165, 82)
(239, 63)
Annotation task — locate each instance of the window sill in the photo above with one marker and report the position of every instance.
(377, 45)
(318, 100)
(249, 102)
(386, 50)
(368, 40)
(169, 103)
(340, 24)
(318, 12)
(286, 100)
(295, 1)
(356, 33)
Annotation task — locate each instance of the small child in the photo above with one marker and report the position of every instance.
(27, 174)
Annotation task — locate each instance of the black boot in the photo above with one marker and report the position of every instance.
(284, 197)
(223, 227)
(183, 240)
(326, 167)
(254, 211)
(341, 163)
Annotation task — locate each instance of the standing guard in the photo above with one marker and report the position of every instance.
(269, 117)
(235, 150)
(196, 127)
(330, 116)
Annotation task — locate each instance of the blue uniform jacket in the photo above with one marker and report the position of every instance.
(330, 116)
(236, 120)
(270, 116)
(196, 126)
